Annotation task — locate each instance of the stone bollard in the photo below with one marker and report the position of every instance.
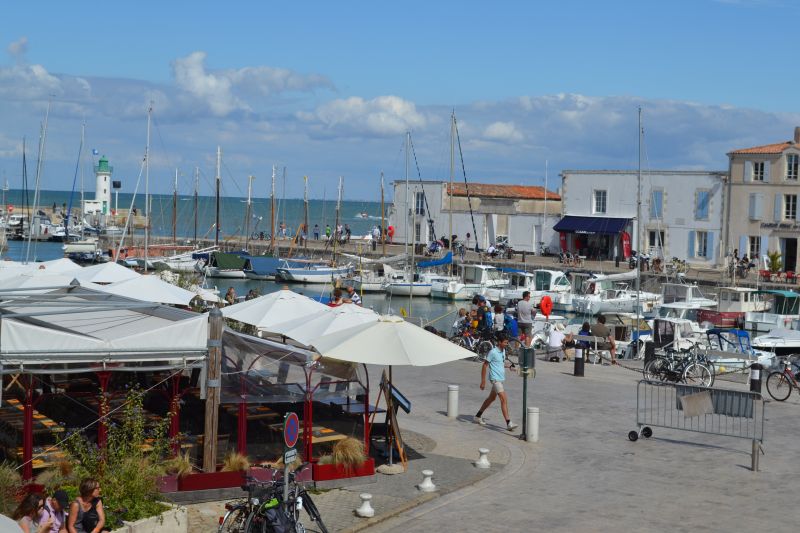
(427, 482)
(533, 424)
(578, 368)
(452, 402)
(483, 459)
(366, 510)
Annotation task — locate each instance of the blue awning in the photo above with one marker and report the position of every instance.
(591, 225)
(446, 260)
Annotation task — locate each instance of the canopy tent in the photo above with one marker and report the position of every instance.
(324, 322)
(151, 289)
(58, 266)
(104, 273)
(590, 225)
(274, 308)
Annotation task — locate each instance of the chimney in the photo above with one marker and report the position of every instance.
(797, 135)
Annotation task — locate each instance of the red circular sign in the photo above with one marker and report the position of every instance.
(10, 208)
(291, 430)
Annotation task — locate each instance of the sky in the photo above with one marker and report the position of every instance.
(328, 89)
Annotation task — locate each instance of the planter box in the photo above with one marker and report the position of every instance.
(211, 480)
(329, 472)
(175, 520)
(167, 483)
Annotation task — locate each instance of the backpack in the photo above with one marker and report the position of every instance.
(488, 318)
(511, 326)
(91, 517)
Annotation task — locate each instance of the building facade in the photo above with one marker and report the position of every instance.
(762, 215)
(524, 215)
(681, 211)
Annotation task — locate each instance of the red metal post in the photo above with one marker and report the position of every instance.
(175, 421)
(102, 428)
(27, 432)
(241, 439)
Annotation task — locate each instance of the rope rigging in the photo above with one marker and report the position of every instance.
(466, 185)
(431, 227)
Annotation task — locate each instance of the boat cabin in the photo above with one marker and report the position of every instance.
(550, 280)
(783, 309)
(482, 275)
(740, 300)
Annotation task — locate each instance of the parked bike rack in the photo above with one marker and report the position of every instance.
(724, 412)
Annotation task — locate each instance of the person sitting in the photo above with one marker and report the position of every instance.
(462, 322)
(29, 512)
(492, 251)
(230, 296)
(600, 329)
(336, 298)
(555, 344)
(352, 296)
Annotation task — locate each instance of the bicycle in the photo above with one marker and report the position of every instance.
(780, 382)
(680, 366)
(264, 508)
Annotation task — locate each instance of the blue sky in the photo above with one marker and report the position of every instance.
(327, 88)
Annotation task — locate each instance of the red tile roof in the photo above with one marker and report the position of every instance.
(776, 148)
(517, 192)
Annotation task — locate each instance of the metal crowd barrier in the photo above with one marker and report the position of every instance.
(725, 412)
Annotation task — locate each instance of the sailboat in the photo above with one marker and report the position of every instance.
(407, 283)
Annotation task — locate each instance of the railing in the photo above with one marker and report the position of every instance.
(724, 412)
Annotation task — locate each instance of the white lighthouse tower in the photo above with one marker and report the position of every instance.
(102, 192)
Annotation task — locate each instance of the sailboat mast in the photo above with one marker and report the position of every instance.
(175, 211)
(336, 236)
(39, 165)
(196, 199)
(450, 192)
(147, 188)
(639, 232)
(383, 222)
(247, 212)
(272, 212)
(217, 180)
(305, 214)
(408, 205)
(544, 220)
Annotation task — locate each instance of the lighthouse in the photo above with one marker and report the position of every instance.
(102, 192)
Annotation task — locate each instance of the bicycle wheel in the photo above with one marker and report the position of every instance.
(654, 369)
(697, 374)
(483, 348)
(513, 351)
(779, 386)
(234, 520)
(313, 512)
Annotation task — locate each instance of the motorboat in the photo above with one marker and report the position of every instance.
(313, 273)
(370, 278)
(780, 341)
(472, 280)
(732, 305)
(683, 301)
(418, 284)
(620, 299)
(186, 262)
(263, 267)
(563, 302)
(784, 308)
(729, 349)
(224, 265)
(539, 283)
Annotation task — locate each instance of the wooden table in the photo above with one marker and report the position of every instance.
(13, 414)
(254, 411)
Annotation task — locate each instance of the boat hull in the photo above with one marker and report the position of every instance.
(408, 289)
(214, 272)
(301, 275)
(722, 319)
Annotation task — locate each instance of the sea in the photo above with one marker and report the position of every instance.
(439, 313)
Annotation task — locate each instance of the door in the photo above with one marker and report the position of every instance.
(790, 255)
(537, 236)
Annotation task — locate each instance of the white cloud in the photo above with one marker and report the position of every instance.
(503, 132)
(384, 116)
(232, 90)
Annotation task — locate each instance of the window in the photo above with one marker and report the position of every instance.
(655, 239)
(419, 203)
(792, 161)
(755, 247)
(758, 171)
(599, 202)
(702, 244)
(789, 206)
(417, 233)
(657, 203)
(701, 205)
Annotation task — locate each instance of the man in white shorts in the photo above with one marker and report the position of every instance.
(495, 363)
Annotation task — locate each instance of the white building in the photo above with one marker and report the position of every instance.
(491, 212)
(682, 213)
(101, 204)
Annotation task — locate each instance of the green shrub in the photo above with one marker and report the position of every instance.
(127, 467)
(10, 487)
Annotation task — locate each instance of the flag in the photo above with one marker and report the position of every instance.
(95, 152)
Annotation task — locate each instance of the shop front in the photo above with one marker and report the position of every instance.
(596, 238)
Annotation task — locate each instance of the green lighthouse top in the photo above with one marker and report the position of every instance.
(103, 166)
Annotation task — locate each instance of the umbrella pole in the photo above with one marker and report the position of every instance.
(389, 429)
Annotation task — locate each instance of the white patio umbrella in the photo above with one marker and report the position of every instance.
(389, 341)
(38, 282)
(274, 308)
(150, 289)
(324, 322)
(104, 273)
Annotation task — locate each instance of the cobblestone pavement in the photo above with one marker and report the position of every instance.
(583, 474)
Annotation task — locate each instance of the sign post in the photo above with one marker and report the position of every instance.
(291, 432)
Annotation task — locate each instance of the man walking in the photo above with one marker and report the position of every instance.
(494, 362)
(316, 232)
(525, 315)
